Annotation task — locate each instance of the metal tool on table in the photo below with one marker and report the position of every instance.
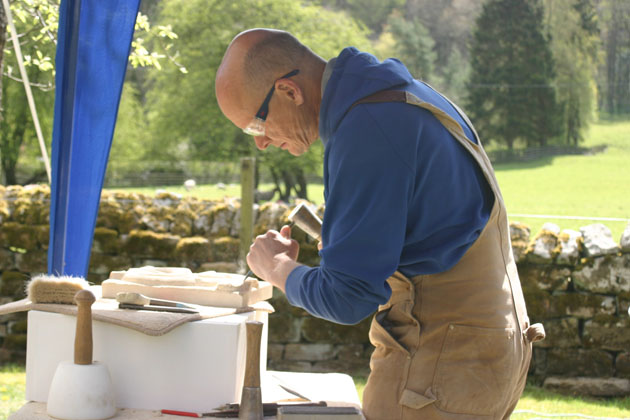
(304, 218)
(251, 407)
(233, 410)
(138, 301)
(82, 390)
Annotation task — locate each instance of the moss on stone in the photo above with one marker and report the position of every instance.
(103, 264)
(32, 261)
(317, 330)
(12, 283)
(19, 236)
(106, 240)
(147, 243)
(225, 249)
(195, 249)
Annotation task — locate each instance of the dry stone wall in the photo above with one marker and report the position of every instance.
(577, 283)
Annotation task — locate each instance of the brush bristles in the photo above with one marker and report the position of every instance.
(53, 289)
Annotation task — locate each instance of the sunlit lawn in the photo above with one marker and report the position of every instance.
(534, 404)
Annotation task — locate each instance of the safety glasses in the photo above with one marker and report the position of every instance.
(257, 126)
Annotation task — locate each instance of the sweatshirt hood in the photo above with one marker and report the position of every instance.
(356, 75)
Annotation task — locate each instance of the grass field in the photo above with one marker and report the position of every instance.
(583, 186)
(532, 405)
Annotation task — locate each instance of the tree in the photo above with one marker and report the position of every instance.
(615, 19)
(409, 41)
(36, 23)
(185, 120)
(574, 42)
(511, 95)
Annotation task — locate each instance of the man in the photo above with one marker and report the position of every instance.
(414, 226)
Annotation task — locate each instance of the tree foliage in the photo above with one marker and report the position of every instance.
(36, 23)
(184, 117)
(511, 90)
(574, 42)
(615, 22)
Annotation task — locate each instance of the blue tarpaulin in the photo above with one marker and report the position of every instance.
(93, 44)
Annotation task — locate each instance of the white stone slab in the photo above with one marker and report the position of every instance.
(196, 367)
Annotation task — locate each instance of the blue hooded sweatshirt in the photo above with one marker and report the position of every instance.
(401, 192)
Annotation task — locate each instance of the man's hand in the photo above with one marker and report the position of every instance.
(273, 256)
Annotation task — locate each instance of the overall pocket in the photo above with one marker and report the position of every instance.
(476, 369)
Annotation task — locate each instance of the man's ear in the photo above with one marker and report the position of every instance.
(290, 90)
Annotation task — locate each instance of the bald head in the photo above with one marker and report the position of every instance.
(259, 59)
(254, 60)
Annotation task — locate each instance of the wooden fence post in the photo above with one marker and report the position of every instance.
(247, 207)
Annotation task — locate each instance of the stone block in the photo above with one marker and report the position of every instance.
(290, 366)
(15, 342)
(570, 243)
(595, 387)
(3, 331)
(272, 215)
(222, 216)
(561, 333)
(18, 327)
(542, 249)
(317, 330)
(624, 242)
(353, 368)
(43, 236)
(284, 328)
(349, 352)
(607, 332)
(103, 264)
(7, 260)
(182, 222)
(538, 303)
(13, 283)
(519, 234)
(622, 365)
(598, 240)
(19, 236)
(281, 304)
(219, 266)
(150, 244)
(32, 262)
(578, 362)
(275, 351)
(544, 277)
(225, 249)
(538, 365)
(607, 275)
(105, 241)
(193, 249)
(309, 352)
(582, 305)
(122, 214)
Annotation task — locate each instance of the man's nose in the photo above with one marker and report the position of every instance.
(262, 142)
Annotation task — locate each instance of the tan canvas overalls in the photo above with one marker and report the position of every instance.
(457, 344)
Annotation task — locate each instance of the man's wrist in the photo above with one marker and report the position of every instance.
(284, 266)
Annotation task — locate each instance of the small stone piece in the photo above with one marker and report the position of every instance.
(598, 240)
(543, 248)
(570, 242)
(625, 239)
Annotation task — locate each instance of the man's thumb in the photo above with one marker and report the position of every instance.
(285, 231)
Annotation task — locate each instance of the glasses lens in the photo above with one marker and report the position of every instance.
(256, 127)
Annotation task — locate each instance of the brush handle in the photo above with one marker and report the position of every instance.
(252, 364)
(83, 335)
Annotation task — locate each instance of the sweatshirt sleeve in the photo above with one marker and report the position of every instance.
(368, 190)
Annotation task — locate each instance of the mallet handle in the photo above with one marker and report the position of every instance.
(252, 364)
(83, 335)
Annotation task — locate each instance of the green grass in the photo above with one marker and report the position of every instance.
(586, 186)
(534, 400)
(12, 389)
(589, 186)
